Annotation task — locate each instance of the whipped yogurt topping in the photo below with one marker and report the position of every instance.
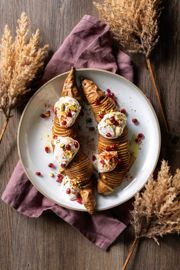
(72, 191)
(112, 125)
(106, 161)
(65, 150)
(67, 110)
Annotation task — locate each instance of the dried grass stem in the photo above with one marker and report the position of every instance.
(130, 252)
(5, 124)
(156, 91)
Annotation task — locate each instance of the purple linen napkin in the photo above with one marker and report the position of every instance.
(88, 45)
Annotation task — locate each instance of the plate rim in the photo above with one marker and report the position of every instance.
(40, 89)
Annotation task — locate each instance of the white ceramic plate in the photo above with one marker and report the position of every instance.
(34, 132)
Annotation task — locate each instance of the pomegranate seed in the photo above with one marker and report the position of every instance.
(112, 118)
(108, 94)
(69, 114)
(58, 180)
(64, 123)
(108, 134)
(140, 136)
(93, 158)
(63, 165)
(79, 200)
(97, 102)
(115, 123)
(76, 144)
(135, 121)
(108, 148)
(55, 137)
(101, 115)
(68, 191)
(38, 174)
(68, 147)
(46, 148)
(60, 177)
(91, 128)
(123, 111)
(102, 162)
(138, 141)
(108, 91)
(111, 147)
(51, 165)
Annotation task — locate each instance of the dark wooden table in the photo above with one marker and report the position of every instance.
(48, 243)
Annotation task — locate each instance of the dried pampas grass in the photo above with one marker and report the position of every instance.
(157, 209)
(134, 24)
(20, 60)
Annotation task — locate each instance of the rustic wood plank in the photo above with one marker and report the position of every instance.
(48, 242)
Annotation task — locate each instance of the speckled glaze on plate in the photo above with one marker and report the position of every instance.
(34, 133)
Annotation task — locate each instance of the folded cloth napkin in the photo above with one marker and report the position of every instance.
(89, 45)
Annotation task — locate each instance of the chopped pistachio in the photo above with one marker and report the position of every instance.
(61, 170)
(62, 107)
(73, 108)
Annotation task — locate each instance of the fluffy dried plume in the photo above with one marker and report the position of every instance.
(157, 209)
(133, 23)
(20, 60)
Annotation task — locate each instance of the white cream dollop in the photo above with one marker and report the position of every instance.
(72, 191)
(106, 161)
(67, 110)
(65, 150)
(112, 125)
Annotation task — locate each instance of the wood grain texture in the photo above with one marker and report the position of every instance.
(48, 243)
